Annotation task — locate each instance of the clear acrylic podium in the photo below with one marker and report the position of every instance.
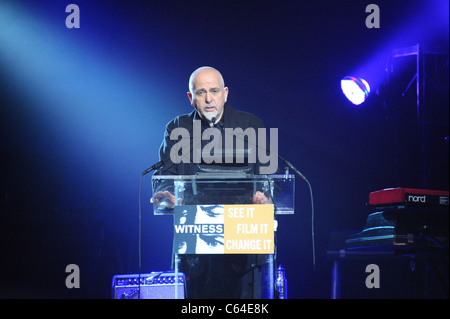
(195, 194)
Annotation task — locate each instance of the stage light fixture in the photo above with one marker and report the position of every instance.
(356, 90)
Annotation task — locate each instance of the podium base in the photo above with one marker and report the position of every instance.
(231, 276)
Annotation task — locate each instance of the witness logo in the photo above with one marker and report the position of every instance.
(224, 229)
(250, 144)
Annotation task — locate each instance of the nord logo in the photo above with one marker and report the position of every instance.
(416, 198)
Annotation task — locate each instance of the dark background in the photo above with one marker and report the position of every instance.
(82, 114)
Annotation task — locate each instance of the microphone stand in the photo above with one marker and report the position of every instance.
(156, 166)
(296, 171)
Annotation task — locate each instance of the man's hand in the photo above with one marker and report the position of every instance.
(260, 198)
(164, 200)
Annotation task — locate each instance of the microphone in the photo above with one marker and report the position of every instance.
(296, 171)
(213, 120)
(153, 167)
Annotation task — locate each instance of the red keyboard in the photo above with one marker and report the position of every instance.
(401, 195)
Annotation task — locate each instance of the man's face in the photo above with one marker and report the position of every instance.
(208, 94)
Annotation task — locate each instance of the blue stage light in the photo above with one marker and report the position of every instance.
(356, 90)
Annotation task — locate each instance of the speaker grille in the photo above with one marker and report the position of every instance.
(156, 285)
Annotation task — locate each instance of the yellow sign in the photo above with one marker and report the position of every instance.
(249, 229)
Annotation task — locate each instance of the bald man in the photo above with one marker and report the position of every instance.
(208, 95)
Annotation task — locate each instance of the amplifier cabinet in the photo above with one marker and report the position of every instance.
(155, 285)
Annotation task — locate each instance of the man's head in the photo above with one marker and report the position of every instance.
(207, 92)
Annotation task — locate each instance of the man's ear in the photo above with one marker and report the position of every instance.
(189, 94)
(226, 93)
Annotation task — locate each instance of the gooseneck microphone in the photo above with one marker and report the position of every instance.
(153, 167)
(296, 171)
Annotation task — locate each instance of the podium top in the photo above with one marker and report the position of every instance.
(224, 176)
(225, 189)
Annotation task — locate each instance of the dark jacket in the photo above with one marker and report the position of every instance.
(231, 119)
